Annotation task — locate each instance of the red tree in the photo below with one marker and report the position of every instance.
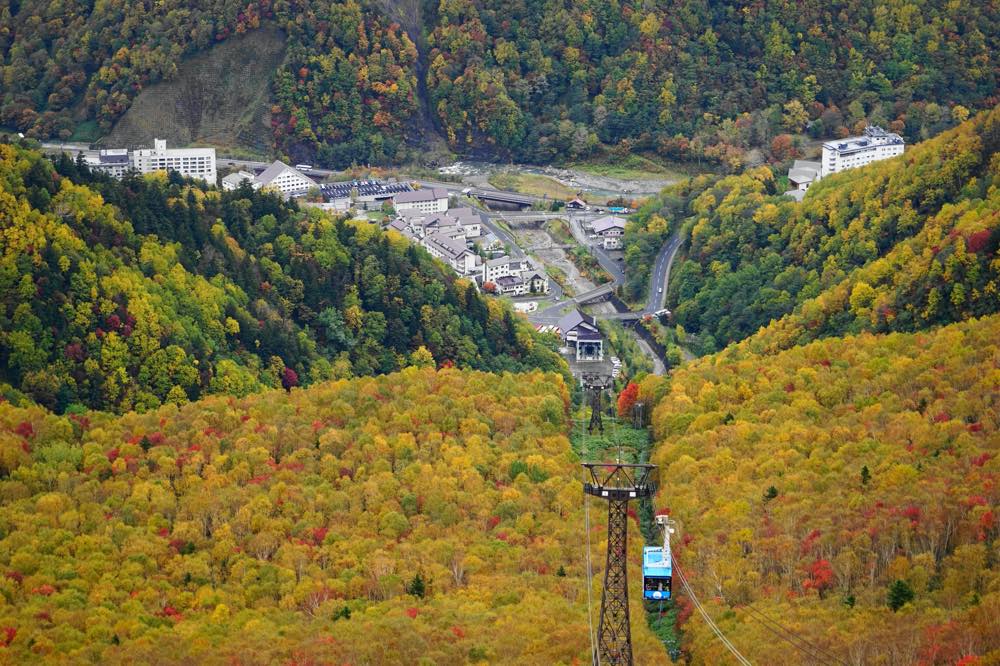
(626, 400)
(782, 148)
(289, 378)
(820, 577)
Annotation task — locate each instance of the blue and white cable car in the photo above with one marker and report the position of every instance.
(656, 574)
(657, 566)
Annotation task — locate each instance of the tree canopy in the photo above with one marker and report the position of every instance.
(541, 81)
(423, 515)
(128, 294)
(898, 245)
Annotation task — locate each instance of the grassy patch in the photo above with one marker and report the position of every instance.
(559, 230)
(533, 184)
(557, 275)
(86, 132)
(631, 167)
(588, 265)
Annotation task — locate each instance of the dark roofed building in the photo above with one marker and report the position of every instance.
(580, 333)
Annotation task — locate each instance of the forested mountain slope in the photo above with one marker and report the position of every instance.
(124, 295)
(847, 488)
(530, 80)
(422, 517)
(898, 245)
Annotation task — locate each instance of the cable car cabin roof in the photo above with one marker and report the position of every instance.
(653, 563)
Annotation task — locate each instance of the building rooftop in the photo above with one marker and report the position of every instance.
(509, 280)
(573, 319)
(160, 148)
(607, 222)
(873, 136)
(588, 334)
(798, 195)
(420, 196)
(447, 245)
(113, 156)
(276, 169)
(364, 188)
(467, 216)
(238, 177)
(803, 175)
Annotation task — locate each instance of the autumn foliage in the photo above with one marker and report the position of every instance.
(122, 295)
(297, 526)
(833, 550)
(362, 81)
(626, 400)
(899, 245)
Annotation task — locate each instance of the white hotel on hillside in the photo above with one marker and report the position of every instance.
(874, 145)
(190, 162)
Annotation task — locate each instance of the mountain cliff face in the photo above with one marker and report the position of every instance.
(367, 81)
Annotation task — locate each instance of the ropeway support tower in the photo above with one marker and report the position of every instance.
(618, 483)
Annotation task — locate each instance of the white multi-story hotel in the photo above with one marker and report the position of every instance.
(189, 162)
(429, 200)
(874, 145)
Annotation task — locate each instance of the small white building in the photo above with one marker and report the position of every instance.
(471, 220)
(188, 162)
(285, 179)
(874, 145)
(111, 161)
(511, 285)
(494, 269)
(426, 200)
(489, 243)
(803, 174)
(537, 281)
(610, 229)
(234, 180)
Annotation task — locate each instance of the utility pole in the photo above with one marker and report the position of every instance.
(667, 524)
(617, 483)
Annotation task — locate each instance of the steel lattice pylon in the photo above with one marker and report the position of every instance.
(595, 411)
(617, 483)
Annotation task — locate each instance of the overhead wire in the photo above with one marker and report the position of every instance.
(706, 617)
(820, 654)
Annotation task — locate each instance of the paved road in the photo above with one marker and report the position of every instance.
(660, 275)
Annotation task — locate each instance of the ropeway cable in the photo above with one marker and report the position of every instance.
(816, 652)
(708, 620)
(705, 616)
